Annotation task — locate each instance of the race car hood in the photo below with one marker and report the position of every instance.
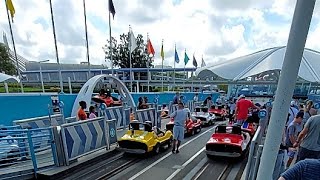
(138, 135)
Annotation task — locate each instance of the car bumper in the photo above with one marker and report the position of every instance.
(224, 154)
(132, 151)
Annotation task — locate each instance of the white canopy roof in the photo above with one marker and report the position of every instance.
(262, 61)
(8, 78)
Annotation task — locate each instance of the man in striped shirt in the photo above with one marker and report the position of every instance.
(305, 170)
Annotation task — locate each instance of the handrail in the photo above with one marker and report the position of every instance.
(251, 152)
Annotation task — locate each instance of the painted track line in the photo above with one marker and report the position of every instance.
(167, 155)
(200, 173)
(186, 163)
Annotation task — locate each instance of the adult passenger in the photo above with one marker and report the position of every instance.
(242, 108)
(81, 113)
(309, 139)
(179, 116)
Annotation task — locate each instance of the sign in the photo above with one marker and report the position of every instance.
(262, 114)
(112, 132)
(317, 106)
(55, 104)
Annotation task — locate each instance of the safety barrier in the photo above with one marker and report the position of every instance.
(41, 122)
(83, 137)
(150, 114)
(256, 147)
(71, 119)
(20, 154)
(118, 114)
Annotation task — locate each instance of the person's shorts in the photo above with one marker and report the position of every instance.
(292, 152)
(178, 133)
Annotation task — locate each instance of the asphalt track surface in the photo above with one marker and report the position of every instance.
(190, 163)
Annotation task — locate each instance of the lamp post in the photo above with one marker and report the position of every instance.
(41, 78)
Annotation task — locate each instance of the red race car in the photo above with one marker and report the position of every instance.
(220, 113)
(230, 141)
(192, 125)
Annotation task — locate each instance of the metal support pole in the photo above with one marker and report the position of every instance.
(56, 47)
(14, 49)
(70, 87)
(41, 78)
(295, 47)
(87, 40)
(6, 87)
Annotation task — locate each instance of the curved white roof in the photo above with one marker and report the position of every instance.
(8, 78)
(262, 61)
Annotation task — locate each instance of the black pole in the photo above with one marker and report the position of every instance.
(86, 32)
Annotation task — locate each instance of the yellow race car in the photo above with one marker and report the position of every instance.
(145, 139)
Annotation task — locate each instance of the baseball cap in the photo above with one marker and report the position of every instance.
(242, 96)
(292, 103)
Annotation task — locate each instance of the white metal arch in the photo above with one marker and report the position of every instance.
(86, 91)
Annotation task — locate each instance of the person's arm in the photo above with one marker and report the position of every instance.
(291, 134)
(173, 114)
(303, 133)
(294, 172)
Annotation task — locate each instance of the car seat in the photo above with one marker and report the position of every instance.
(236, 130)
(221, 129)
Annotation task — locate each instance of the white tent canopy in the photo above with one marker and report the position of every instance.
(8, 78)
(262, 61)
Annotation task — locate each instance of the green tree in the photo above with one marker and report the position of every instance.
(120, 52)
(6, 65)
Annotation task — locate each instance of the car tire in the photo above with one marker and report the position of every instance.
(192, 132)
(210, 123)
(170, 142)
(199, 128)
(156, 149)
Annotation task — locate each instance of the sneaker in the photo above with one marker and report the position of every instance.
(173, 151)
(177, 151)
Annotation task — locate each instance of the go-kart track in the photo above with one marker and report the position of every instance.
(190, 163)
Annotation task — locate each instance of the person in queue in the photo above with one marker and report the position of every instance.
(196, 97)
(242, 107)
(292, 133)
(308, 111)
(179, 116)
(309, 139)
(92, 112)
(306, 170)
(208, 101)
(293, 112)
(81, 113)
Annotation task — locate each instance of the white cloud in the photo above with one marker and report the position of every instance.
(217, 29)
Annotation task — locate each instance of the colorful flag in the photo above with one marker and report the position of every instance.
(132, 42)
(162, 52)
(186, 58)
(111, 8)
(176, 56)
(195, 64)
(203, 64)
(150, 47)
(11, 8)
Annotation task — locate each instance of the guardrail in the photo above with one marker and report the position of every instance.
(83, 137)
(23, 153)
(41, 122)
(150, 114)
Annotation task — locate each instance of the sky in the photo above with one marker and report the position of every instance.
(218, 30)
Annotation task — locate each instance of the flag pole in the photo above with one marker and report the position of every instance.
(148, 64)
(162, 65)
(56, 47)
(110, 37)
(14, 48)
(86, 32)
(174, 68)
(130, 58)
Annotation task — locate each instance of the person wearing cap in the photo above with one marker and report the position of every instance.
(293, 112)
(292, 132)
(179, 116)
(309, 139)
(242, 108)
